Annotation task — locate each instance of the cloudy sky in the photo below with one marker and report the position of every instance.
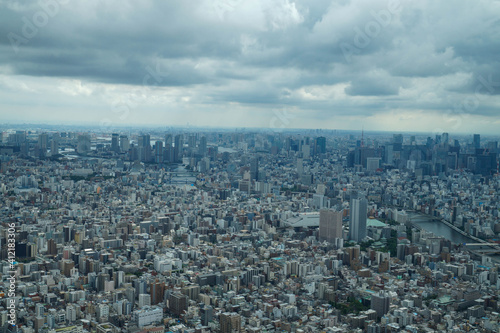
(403, 65)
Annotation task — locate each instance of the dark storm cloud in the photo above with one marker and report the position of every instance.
(326, 56)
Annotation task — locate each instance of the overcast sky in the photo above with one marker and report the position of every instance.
(428, 66)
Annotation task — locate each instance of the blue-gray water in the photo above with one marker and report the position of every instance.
(439, 229)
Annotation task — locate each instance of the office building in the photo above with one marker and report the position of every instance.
(207, 314)
(148, 315)
(115, 145)
(124, 143)
(157, 289)
(477, 141)
(84, 145)
(144, 300)
(254, 169)
(158, 152)
(230, 322)
(330, 225)
(178, 148)
(321, 145)
(380, 303)
(177, 303)
(357, 223)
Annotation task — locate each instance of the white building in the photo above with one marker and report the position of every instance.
(148, 315)
(144, 300)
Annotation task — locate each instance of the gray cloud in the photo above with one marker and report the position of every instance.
(222, 54)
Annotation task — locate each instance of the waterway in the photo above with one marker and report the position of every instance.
(439, 229)
(180, 175)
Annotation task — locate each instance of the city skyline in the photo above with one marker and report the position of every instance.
(394, 66)
(208, 231)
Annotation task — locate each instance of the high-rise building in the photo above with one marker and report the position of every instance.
(397, 138)
(54, 145)
(70, 313)
(140, 286)
(124, 143)
(144, 300)
(115, 143)
(300, 166)
(372, 163)
(43, 142)
(159, 152)
(230, 322)
(477, 141)
(83, 144)
(207, 314)
(330, 225)
(202, 148)
(254, 168)
(445, 138)
(103, 310)
(157, 289)
(357, 223)
(191, 141)
(321, 145)
(51, 247)
(177, 303)
(144, 147)
(168, 140)
(178, 148)
(380, 303)
(39, 310)
(192, 291)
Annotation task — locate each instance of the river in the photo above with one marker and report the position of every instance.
(180, 175)
(440, 229)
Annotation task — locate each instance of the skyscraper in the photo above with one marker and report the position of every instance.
(54, 144)
(178, 148)
(202, 148)
(397, 138)
(158, 151)
(43, 140)
(115, 143)
(157, 289)
(177, 303)
(83, 144)
(254, 168)
(330, 225)
(124, 143)
(357, 223)
(445, 138)
(477, 141)
(321, 145)
(168, 140)
(144, 146)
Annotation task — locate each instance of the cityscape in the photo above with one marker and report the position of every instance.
(263, 166)
(192, 230)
